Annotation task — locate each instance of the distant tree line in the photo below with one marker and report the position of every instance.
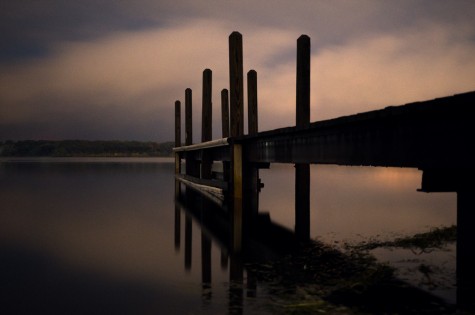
(69, 148)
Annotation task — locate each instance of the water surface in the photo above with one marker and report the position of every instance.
(82, 235)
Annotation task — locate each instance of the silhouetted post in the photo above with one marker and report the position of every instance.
(251, 172)
(192, 166)
(252, 101)
(236, 129)
(225, 113)
(303, 82)
(206, 127)
(236, 84)
(177, 136)
(225, 127)
(188, 117)
(302, 171)
(465, 250)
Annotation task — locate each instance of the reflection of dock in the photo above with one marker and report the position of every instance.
(435, 136)
(279, 253)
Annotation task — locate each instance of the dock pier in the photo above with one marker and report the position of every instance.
(436, 136)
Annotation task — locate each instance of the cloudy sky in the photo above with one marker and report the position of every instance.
(112, 69)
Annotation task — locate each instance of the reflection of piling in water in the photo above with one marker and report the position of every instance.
(434, 136)
(188, 240)
(302, 170)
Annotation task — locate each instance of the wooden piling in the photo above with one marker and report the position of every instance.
(188, 117)
(207, 117)
(302, 171)
(225, 127)
(252, 101)
(177, 135)
(236, 84)
(225, 113)
(236, 129)
(303, 82)
(251, 172)
(206, 127)
(192, 167)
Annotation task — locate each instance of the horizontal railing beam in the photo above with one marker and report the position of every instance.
(204, 145)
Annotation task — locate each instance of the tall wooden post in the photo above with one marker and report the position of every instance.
(206, 127)
(251, 172)
(236, 130)
(303, 82)
(192, 166)
(236, 84)
(225, 128)
(177, 136)
(225, 113)
(207, 114)
(188, 117)
(302, 171)
(252, 101)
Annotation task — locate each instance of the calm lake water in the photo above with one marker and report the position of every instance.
(97, 236)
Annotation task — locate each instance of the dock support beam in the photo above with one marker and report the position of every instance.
(237, 191)
(302, 171)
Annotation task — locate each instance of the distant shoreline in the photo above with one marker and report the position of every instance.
(85, 148)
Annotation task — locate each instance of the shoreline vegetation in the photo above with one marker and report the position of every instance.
(85, 148)
(320, 278)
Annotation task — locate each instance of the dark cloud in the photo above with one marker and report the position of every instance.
(113, 69)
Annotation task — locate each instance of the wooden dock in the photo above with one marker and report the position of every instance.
(436, 136)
